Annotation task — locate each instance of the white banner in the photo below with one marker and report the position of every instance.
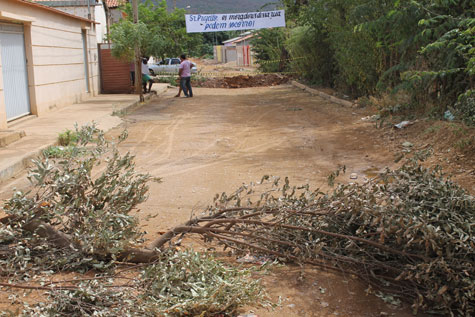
(197, 23)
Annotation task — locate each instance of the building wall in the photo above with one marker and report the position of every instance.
(97, 12)
(3, 115)
(115, 15)
(230, 54)
(225, 54)
(100, 17)
(218, 53)
(54, 50)
(246, 42)
(80, 11)
(244, 55)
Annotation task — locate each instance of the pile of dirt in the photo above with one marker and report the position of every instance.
(244, 81)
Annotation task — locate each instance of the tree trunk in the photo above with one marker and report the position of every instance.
(138, 60)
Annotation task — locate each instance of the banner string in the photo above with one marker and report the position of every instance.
(228, 74)
(281, 60)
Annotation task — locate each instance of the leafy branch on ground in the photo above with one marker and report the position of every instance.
(178, 284)
(77, 218)
(409, 233)
(70, 219)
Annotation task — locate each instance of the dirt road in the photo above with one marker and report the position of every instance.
(222, 138)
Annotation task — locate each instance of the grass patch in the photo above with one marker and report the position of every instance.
(68, 137)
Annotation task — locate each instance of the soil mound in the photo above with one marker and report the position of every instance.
(244, 81)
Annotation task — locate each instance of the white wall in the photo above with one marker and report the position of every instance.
(97, 12)
(55, 54)
(3, 114)
(100, 17)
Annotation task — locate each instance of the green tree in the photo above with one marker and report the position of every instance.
(448, 52)
(269, 48)
(314, 63)
(125, 35)
(425, 48)
(159, 32)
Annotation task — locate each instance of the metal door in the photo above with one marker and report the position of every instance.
(15, 78)
(86, 66)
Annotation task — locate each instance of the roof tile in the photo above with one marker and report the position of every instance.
(115, 3)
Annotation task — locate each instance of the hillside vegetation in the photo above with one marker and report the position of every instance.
(222, 6)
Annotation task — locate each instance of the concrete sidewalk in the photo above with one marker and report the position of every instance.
(43, 132)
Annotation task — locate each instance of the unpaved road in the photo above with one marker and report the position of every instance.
(223, 138)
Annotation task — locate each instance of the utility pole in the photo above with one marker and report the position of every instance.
(174, 4)
(138, 60)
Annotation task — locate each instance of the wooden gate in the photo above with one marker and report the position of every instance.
(115, 74)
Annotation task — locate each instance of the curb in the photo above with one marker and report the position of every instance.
(135, 105)
(24, 162)
(333, 99)
(7, 137)
(20, 165)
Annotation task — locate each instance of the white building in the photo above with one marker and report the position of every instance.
(88, 9)
(48, 59)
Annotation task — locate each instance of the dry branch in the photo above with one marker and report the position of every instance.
(411, 231)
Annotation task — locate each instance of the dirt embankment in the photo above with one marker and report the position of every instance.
(243, 81)
(452, 145)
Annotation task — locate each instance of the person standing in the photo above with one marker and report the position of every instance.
(132, 73)
(184, 73)
(146, 76)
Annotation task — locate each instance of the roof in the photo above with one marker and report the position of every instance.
(66, 3)
(114, 3)
(80, 2)
(43, 7)
(239, 39)
(244, 38)
(231, 40)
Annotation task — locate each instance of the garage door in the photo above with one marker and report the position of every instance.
(15, 79)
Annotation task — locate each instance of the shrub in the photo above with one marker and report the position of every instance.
(92, 215)
(67, 138)
(465, 108)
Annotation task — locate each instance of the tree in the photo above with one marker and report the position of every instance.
(424, 49)
(160, 32)
(268, 46)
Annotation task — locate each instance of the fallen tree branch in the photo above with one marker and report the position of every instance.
(332, 234)
(65, 287)
(54, 287)
(54, 236)
(8, 219)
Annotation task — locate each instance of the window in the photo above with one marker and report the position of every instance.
(175, 61)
